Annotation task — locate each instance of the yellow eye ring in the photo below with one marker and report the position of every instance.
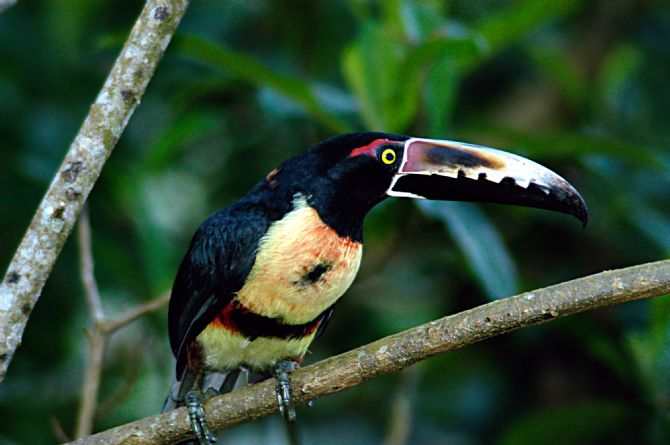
(388, 156)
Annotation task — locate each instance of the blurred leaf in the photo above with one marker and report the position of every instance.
(385, 75)
(441, 94)
(421, 19)
(249, 69)
(566, 145)
(652, 223)
(616, 78)
(562, 69)
(608, 351)
(480, 242)
(521, 19)
(416, 20)
(577, 423)
(660, 316)
(177, 136)
(371, 67)
(651, 352)
(458, 49)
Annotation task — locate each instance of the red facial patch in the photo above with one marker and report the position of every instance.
(369, 149)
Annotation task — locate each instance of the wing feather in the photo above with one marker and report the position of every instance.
(221, 255)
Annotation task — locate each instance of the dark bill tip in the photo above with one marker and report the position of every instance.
(561, 198)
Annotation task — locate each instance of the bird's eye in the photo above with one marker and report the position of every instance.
(388, 156)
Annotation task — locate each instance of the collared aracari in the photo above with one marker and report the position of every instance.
(261, 277)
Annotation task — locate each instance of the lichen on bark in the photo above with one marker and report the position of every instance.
(57, 213)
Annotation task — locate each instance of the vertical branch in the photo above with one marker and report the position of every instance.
(89, 389)
(401, 408)
(102, 329)
(97, 336)
(57, 213)
(86, 266)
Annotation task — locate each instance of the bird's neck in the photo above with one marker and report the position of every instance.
(347, 222)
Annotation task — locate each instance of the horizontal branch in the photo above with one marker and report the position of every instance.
(401, 350)
(63, 201)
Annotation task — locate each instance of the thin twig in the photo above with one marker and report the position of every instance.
(102, 328)
(96, 336)
(131, 375)
(86, 266)
(98, 339)
(398, 351)
(57, 213)
(131, 315)
(57, 430)
(89, 389)
(400, 424)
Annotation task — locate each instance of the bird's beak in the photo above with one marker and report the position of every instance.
(455, 171)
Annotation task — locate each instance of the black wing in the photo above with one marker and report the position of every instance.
(215, 267)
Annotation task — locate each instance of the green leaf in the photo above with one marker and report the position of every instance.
(251, 70)
(441, 91)
(483, 247)
(565, 145)
(660, 317)
(650, 222)
(619, 93)
(560, 67)
(577, 423)
(521, 19)
(651, 354)
(416, 20)
(178, 135)
(371, 67)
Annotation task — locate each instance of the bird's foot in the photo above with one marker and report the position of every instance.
(196, 414)
(282, 372)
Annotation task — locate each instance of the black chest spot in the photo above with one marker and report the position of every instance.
(314, 274)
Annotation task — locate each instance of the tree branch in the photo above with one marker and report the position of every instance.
(89, 389)
(60, 207)
(96, 337)
(111, 326)
(86, 266)
(4, 4)
(401, 350)
(102, 329)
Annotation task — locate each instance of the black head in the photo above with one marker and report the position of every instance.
(344, 177)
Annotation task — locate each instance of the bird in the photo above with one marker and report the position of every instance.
(262, 276)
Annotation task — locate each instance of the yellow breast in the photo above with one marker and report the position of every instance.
(302, 267)
(224, 349)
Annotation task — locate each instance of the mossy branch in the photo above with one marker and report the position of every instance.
(398, 351)
(60, 207)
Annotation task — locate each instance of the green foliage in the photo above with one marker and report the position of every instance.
(579, 86)
(579, 422)
(481, 244)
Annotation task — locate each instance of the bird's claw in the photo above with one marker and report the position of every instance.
(282, 371)
(196, 414)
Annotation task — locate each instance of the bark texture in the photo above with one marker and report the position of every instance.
(60, 207)
(398, 351)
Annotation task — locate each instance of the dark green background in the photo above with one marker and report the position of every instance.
(580, 86)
